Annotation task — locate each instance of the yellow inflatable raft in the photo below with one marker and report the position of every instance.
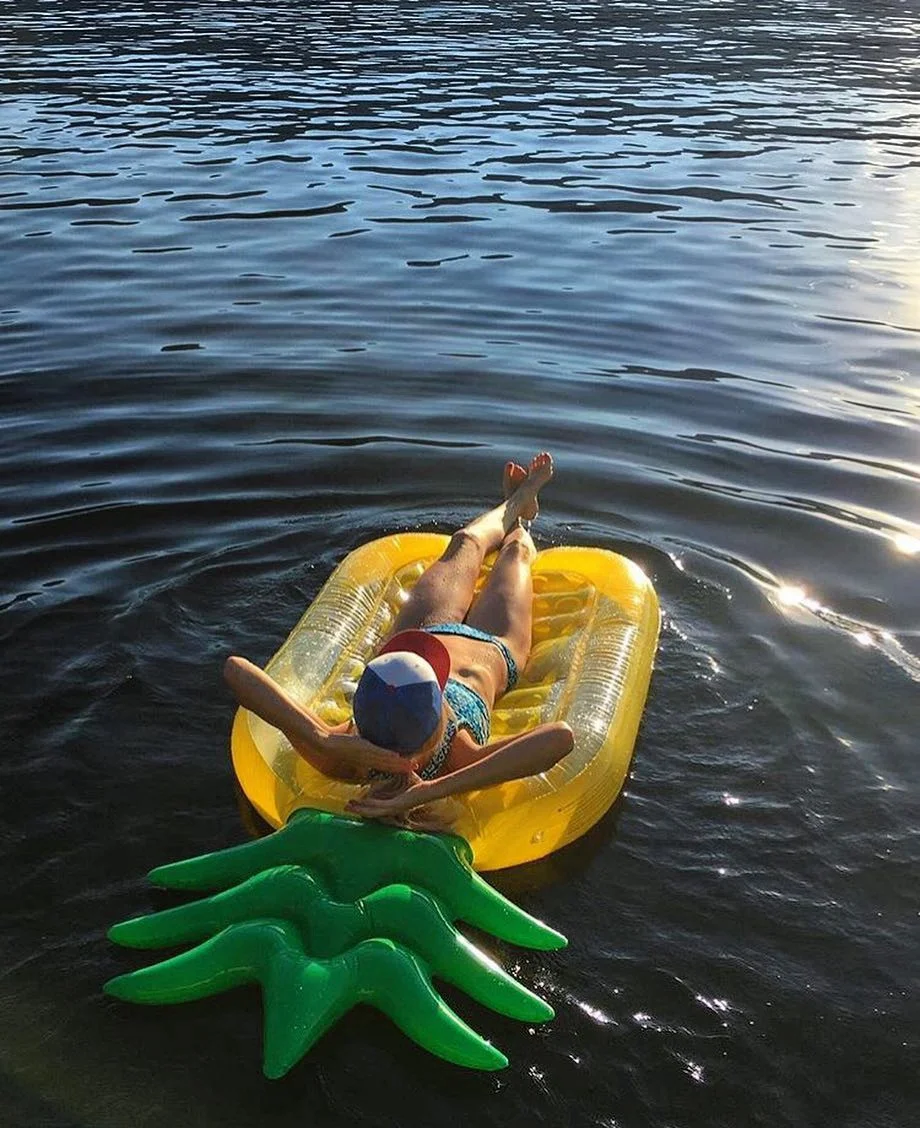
(596, 623)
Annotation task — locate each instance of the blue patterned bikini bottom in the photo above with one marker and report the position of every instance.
(465, 631)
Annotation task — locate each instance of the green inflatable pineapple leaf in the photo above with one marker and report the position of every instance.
(378, 937)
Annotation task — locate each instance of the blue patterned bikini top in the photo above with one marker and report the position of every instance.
(467, 711)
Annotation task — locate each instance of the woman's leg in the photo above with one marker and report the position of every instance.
(444, 593)
(505, 605)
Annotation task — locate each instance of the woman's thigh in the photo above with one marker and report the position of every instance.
(445, 590)
(504, 608)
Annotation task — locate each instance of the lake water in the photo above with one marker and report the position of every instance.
(279, 278)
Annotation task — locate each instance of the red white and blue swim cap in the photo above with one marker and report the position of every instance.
(397, 704)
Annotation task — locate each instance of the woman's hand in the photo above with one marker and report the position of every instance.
(397, 801)
(390, 798)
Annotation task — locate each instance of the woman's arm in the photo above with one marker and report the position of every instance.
(330, 749)
(532, 752)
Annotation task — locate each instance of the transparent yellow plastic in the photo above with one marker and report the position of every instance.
(596, 620)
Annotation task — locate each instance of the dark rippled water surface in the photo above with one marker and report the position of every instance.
(279, 278)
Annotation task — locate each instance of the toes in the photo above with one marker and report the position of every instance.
(541, 467)
(513, 476)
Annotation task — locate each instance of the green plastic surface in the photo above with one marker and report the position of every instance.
(411, 917)
(376, 938)
(353, 858)
(304, 996)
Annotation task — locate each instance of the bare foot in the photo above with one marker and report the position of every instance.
(522, 500)
(514, 475)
